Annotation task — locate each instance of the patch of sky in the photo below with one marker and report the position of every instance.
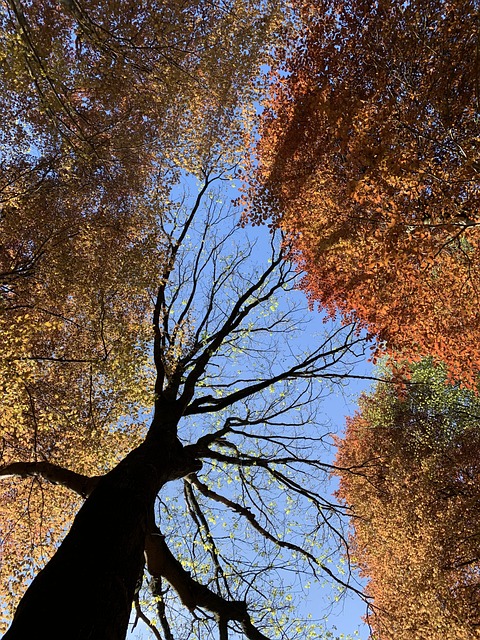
(220, 258)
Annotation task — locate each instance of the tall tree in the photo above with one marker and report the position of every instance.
(232, 423)
(414, 489)
(99, 104)
(102, 108)
(369, 159)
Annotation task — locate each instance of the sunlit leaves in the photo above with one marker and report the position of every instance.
(368, 158)
(413, 485)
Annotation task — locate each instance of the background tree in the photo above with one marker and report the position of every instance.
(414, 491)
(369, 159)
(226, 394)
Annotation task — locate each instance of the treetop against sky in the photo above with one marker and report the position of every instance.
(229, 370)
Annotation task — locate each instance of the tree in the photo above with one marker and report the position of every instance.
(414, 492)
(368, 158)
(105, 107)
(228, 409)
(100, 105)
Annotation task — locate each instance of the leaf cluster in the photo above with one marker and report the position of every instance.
(413, 486)
(368, 158)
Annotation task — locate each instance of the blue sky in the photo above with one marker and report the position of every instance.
(338, 401)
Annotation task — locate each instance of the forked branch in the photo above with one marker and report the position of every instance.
(162, 563)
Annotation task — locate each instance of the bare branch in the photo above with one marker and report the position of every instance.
(162, 563)
(160, 305)
(307, 368)
(156, 589)
(83, 485)
(243, 306)
(248, 515)
(141, 616)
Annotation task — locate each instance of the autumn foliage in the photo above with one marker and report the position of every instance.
(101, 106)
(369, 160)
(414, 490)
(159, 445)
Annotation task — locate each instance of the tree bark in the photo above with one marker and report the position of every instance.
(86, 590)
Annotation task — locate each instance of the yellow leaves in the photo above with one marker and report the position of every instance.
(33, 518)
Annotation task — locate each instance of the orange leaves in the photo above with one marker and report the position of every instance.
(411, 474)
(367, 157)
(33, 518)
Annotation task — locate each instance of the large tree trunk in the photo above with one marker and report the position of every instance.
(86, 590)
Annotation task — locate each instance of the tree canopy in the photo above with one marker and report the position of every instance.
(162, 444)
(368, 159)
(415, 492)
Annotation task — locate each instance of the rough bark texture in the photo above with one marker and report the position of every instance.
(86, 590)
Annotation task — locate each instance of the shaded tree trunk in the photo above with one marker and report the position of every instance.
(87, 589)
